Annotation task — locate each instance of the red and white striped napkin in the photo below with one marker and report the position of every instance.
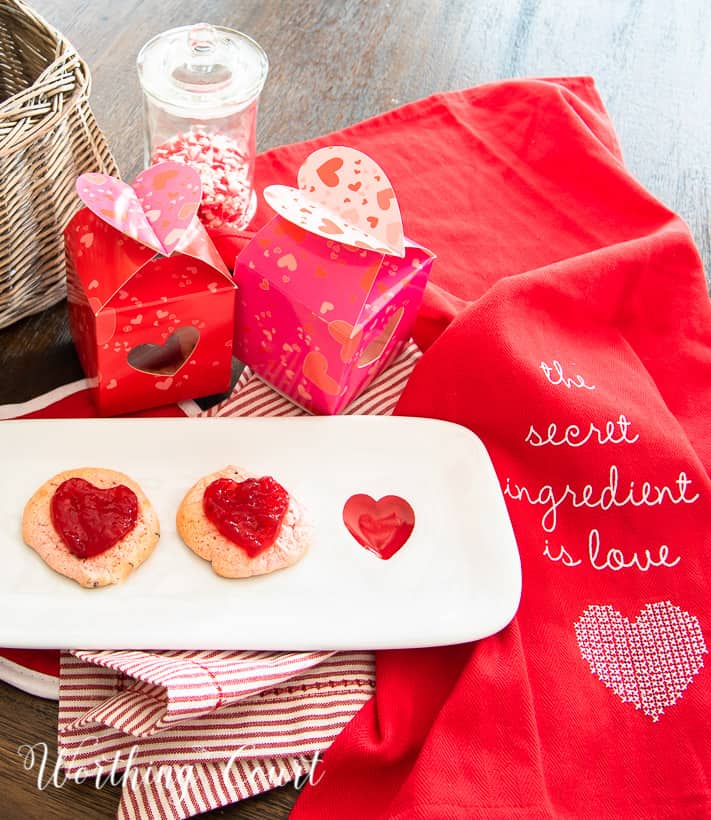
(187, 731)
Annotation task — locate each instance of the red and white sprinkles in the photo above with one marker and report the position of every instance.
(225, 173)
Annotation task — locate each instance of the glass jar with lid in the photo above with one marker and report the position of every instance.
(201, 86)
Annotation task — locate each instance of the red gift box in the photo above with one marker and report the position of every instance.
(151, 304)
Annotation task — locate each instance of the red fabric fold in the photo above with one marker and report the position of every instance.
(566, 295)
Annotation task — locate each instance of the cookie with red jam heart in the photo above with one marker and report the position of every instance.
(91, 524)
(244, 525)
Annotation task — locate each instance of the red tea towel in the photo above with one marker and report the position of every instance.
(569, 297)
(569, 326)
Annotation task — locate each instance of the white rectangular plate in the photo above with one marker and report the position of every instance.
(456, 579)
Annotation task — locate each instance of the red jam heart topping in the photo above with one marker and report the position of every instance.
(380, 526)
(249, 513)
(90, 520)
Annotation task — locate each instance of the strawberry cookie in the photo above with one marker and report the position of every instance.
(244, 525)
(93, 525)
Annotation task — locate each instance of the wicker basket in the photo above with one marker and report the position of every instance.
(48, 136)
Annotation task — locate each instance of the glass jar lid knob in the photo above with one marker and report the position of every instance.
(203, 67)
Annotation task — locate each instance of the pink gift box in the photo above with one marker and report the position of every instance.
(324, 301)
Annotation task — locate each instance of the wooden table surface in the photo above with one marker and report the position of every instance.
(334, 62)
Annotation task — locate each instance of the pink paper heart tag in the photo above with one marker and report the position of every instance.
(156, 210)
(345, 196)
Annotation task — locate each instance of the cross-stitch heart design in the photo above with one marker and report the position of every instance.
(381, 526)
(324, 202)
(156, 210)
(648, 662)
(166, 359)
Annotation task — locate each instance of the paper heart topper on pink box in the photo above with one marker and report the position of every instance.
(345, 196)
(156, 210)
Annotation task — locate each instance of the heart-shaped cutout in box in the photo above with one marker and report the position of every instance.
(382, 526)
(165, 359)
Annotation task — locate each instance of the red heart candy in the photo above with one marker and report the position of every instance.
(90, 520)
(380, 526)
(249, 513)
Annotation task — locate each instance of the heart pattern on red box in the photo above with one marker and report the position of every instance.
(381, 526)
(648, 662)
